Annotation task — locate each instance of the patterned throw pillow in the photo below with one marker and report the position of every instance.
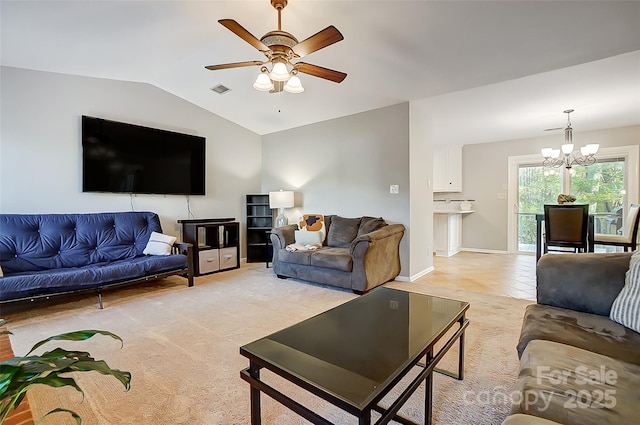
(313, 223)
(159, 244)
(626, 307)
(305, 237)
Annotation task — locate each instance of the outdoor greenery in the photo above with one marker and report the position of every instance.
(52, 368)
(599, 185)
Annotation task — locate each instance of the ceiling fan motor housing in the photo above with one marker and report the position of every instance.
(278, 4)
(280, 43)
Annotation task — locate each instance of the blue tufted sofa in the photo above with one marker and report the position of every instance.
(51, 254)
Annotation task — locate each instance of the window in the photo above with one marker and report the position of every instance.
(608, 186)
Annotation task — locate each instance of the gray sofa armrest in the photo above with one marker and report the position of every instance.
(582, 282)
(376, 256)
(376, 235)
(283, 236)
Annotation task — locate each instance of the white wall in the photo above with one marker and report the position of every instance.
(485, 175)
(421, 176)
(345, 166)
(41, 150)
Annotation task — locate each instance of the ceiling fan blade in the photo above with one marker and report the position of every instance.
(239, 30)
(319, 40)
(233, 65)
(318, 71)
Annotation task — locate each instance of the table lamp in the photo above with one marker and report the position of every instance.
(281, 200)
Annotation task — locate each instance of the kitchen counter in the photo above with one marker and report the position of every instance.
(452, 211)
(447, 231)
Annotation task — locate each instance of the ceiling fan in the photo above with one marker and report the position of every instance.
(281, 49)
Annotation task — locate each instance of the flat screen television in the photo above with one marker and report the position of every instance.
(126, 158)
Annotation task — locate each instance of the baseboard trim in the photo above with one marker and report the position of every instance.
(415, 276)
(484, 251)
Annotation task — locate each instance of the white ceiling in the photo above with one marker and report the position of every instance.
(493, 70)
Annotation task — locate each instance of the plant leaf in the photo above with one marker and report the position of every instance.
(75, 336)
(57, 382)
(7, 372)
(60, 409)
(102, 367)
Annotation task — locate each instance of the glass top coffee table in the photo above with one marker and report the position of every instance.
(354, 354)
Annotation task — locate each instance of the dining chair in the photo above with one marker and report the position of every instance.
(629, 237)
(566, 226)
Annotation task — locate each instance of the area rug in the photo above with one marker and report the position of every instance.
(181, 346)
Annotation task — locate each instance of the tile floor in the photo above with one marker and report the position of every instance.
(512, 275)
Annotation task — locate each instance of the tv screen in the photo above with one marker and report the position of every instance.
(126, 158)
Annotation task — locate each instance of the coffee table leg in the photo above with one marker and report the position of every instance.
(461, 353)
(365, 419)
(428, 391)
(254, 371)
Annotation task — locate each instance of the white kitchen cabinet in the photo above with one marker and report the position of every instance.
(447, 169)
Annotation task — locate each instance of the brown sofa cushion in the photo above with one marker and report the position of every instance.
(332, 258)
(296, 257)
(584, 330)
(342, 231)
(370, 224)
(521, 419)
(573, 386)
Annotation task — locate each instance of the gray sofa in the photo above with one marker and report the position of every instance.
(357, 253)
(577, 367)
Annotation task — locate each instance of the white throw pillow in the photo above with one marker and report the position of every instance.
(305, 237)
(1, 274)
(626, 307)
(159, 244)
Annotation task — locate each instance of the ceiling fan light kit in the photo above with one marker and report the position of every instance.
(585, 158)
(281, 50)
(263, 82)
(294, 85)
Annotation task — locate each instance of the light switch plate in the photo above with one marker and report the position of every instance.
(394, 188)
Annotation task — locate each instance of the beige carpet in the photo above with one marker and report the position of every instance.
(182, 347)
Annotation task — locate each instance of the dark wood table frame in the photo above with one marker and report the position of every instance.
(252, 376)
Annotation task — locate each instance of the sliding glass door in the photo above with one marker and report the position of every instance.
(602, 186)
(608, 186)
(537, 186)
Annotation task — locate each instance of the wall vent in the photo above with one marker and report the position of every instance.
(220, 89)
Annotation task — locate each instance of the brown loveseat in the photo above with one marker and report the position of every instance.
(577, 366)
(357, 253)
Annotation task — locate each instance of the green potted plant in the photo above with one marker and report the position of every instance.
(19, 374)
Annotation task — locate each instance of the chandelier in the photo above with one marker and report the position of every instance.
(585, 157)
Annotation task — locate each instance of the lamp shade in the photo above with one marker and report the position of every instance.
(294, 85)
(279, 72)
(281, 199)
(263, 82)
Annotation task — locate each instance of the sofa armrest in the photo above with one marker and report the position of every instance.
(582, 282)
(283, 236)
(376, 256)
(376, 235)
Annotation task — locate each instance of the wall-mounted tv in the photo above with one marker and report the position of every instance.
(126, 158)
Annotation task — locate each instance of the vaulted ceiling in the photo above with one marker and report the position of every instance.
(495, 70)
